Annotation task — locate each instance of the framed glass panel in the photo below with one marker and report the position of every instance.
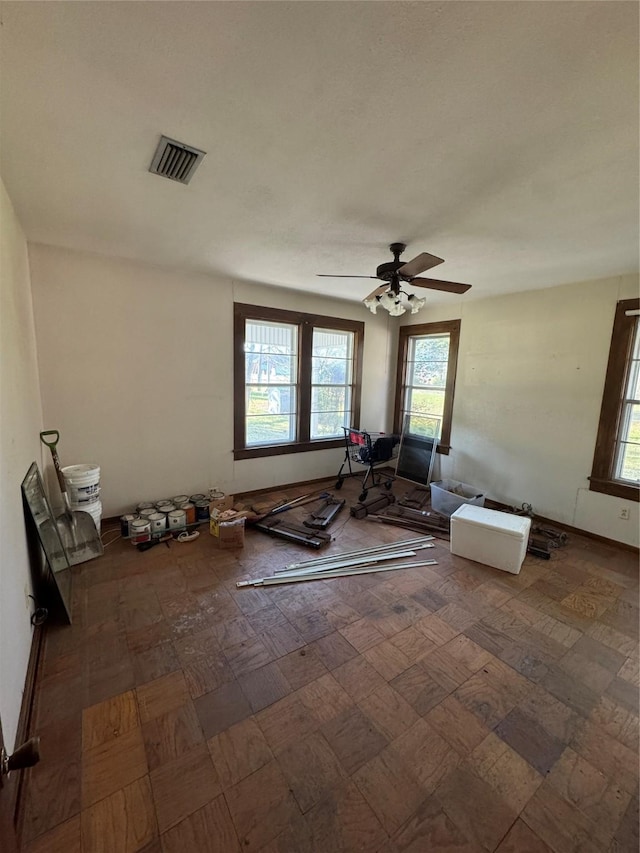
(330, 411)
(271, 414)
(427, 361)
(329, 424)
(270, 429)
(297, 380)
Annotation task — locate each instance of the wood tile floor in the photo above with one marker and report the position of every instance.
(450, 708)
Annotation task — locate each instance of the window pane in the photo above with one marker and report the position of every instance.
(270, 429)
(629, 451)
(271, 414)
(270, 352)
(330, 371)
(634, 381)
(330, 411)
(270, 368)
(329, 424)
(270, 400)
(332, 357)
(425, 402)
(328, 398)
(427, 373)
(429, 348)
(332, 344)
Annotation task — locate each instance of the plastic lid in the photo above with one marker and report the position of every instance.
(492, 519)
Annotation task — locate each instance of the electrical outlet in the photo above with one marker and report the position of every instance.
(624, 513)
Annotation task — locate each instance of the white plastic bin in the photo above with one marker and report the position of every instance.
(448, 495)
(487, 536)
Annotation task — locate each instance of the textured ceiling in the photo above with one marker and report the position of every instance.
(501, 136)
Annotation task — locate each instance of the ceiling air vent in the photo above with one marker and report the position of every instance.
(175, 160)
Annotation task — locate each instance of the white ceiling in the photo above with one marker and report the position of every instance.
(500, 136)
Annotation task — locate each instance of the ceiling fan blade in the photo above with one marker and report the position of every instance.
(419, 264)
(437, 284)
(328, 275)
(377, 292)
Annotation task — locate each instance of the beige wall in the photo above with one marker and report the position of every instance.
(136, 373)
(20, 424)
(531, 371)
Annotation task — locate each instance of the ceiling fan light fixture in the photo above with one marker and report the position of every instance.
(415, 303)
(372, 304)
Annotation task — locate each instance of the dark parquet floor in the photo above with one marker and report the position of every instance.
(448, 708)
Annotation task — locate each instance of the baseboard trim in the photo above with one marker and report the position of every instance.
(576, 531)
(16, 781)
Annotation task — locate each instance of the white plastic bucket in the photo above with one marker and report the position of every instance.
(83, 483)
(94, 509)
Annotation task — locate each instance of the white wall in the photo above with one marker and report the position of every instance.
(20, 425)
(136, 373)
(136, 368)
(531, 370)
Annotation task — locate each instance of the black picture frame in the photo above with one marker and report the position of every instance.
(39, 509)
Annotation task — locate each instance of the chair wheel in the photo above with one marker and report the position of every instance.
(363, 496)
(339, 484)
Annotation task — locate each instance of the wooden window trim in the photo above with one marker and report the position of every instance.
(601, 479)
(406, 332)
(306, 324)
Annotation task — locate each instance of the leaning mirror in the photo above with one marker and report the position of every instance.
(37, 505)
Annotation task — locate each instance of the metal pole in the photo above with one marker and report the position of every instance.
(405, 543)
(336, 573)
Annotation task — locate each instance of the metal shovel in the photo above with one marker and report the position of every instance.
(78, 532)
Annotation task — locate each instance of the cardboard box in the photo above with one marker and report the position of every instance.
(225, 502)
(228, 532)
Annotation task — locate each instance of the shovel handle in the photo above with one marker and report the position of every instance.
(53, 441)
(54, 455)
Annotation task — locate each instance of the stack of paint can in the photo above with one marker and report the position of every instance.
(177, 513)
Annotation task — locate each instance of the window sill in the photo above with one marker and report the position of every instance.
(282, 449)
(615, 488)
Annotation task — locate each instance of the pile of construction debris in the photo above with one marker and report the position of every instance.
(362, 561)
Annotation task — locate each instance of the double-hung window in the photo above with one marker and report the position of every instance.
(297, 380)
(616, 460)
(427, 359)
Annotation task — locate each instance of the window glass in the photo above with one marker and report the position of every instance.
(427, 356)
(271, 368)
(297, 380)
(331, 378)
(616, 457)
(628, 455)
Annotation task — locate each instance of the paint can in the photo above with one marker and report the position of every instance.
(163, 503)
(158, 522)
(147, 513)
(197, 498)
(144, 505)
(177, 519)
(83, 483)
(190, 510)
(166, 508)
(179, 500)
(125, 521)
(140, 531)
(202, 510)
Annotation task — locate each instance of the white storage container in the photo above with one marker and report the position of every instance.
(487, 536)
(448, 495)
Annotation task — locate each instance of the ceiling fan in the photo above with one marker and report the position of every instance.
(394, 273)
